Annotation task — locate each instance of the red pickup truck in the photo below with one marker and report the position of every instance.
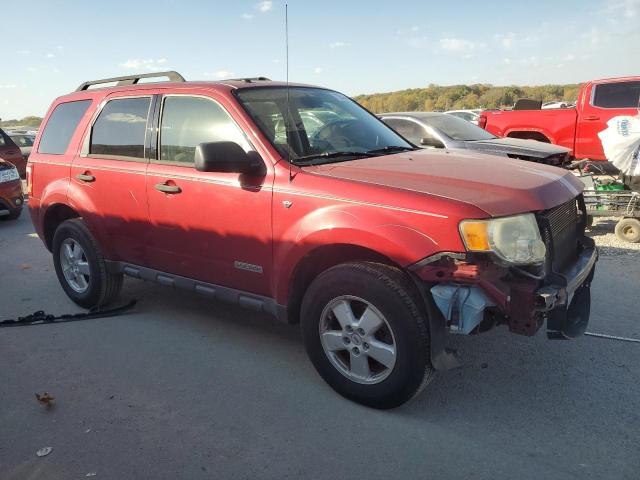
(575, 128)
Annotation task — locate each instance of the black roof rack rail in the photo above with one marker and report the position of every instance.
(247, 79)
(132, 79)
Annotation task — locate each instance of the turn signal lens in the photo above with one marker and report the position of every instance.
(475, 235)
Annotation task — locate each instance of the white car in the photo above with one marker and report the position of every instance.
(468, 115)
(557, 105)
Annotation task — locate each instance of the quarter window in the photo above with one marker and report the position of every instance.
(617, 95)
(120, 128)
(189, 121)
(60, 127)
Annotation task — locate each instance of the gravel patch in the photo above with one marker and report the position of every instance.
(602, 231)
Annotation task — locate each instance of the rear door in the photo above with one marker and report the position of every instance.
(108, 176)
(214, 227)
(603, 102)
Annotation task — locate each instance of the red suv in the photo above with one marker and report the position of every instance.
(294, 200)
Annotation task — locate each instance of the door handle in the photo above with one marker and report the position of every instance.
(85, 177)
(163, 187)
(591, 118)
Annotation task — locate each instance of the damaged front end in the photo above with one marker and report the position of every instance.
(474, 291)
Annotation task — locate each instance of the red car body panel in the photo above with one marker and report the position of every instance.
(575, 128)
(405, 207)
(9, 192)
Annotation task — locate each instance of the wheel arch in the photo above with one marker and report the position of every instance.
(319, 260)
(538, 135)
(53, 217)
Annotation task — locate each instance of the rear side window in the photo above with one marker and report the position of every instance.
(61, 126)
(119, 130)
(189, 121)
(617, 95)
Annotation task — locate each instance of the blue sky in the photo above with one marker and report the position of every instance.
(353, 46)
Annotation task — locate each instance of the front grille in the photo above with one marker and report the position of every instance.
(560, 228)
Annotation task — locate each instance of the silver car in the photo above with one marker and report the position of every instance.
(441, 130)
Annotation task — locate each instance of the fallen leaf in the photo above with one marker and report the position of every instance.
(44, 451)
(45, 399)
(91, 474)
(25, 266)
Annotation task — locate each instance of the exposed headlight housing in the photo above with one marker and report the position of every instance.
(9, 174)
(514, 239)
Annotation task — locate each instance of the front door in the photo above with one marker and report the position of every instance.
(601, 104)
(214, 227)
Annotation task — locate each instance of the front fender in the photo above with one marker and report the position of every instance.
(384, 233)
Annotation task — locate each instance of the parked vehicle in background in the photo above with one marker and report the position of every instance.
(440, 130)
(10, 152)
(557, 105)
(24, 141)
(11, 198)
(575, 128)
(468, 115)
(376, 247)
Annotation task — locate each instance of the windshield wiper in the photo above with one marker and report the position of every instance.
(326, 155)
(391, 148)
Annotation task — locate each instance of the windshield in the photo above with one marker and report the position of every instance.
(322, 126)
(457, 128)
(22, 140)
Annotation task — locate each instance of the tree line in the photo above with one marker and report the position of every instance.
(432, 98)
(30, 121)
(458, 97)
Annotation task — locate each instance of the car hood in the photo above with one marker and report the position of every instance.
(517, 146)
(497, 185)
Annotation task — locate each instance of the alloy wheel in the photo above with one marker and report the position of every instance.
(357, 339)
(75, 265)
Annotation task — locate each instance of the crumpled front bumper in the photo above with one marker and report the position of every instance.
(566, 296)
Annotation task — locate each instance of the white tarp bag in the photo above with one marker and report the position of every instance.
(621, 143)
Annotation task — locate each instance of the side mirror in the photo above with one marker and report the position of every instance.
(431, 142)
(228, 157)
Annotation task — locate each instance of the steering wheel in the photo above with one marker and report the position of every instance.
(340, 134)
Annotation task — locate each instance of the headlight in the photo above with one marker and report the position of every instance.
(514, 239)
(8, 175)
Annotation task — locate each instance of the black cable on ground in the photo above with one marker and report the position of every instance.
(42, 318)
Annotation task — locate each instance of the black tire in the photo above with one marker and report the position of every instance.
(394, 295)
(103, 287)
(13, 215)
(628, 229)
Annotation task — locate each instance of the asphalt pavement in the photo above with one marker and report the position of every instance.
(186, 388)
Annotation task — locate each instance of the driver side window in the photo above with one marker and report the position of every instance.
(189, 121)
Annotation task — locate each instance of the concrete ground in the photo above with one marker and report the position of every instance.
(183, 387)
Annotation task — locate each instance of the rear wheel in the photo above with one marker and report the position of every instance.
(365, 331)
(628, 229)
(81, 268)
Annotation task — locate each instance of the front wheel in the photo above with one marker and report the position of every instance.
(81, 268)
(365, 330)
